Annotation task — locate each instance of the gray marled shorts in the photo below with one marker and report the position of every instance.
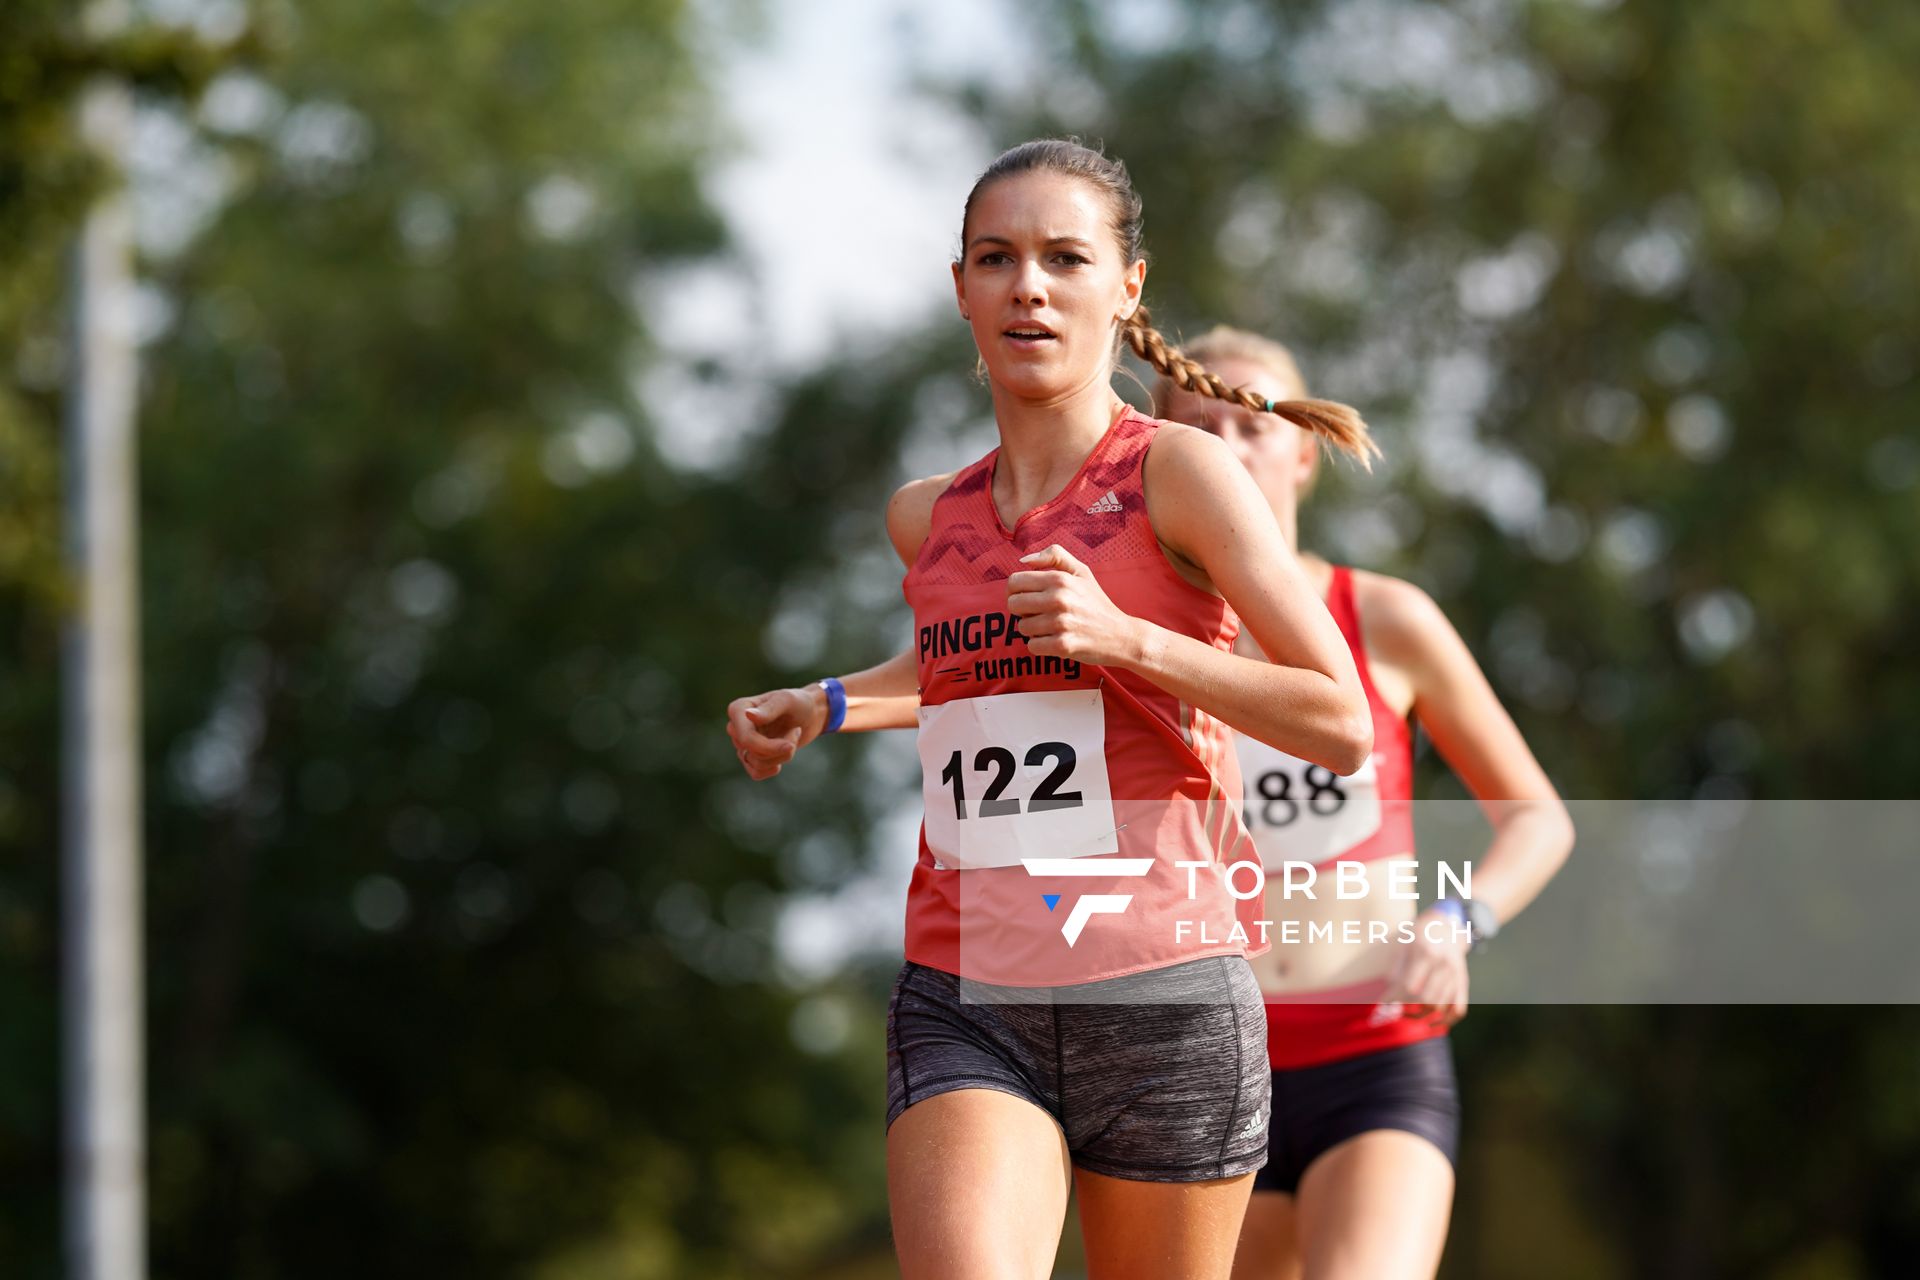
(1162, 1078)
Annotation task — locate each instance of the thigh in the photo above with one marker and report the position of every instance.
(942, 1037)
(977, 1186)
(1269, 1244)
(1375, 1206)
(1151, 1230)
(1174, 1086)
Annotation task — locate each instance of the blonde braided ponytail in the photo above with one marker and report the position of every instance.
(1329, 420)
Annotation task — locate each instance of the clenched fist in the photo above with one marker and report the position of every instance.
(1064, 613)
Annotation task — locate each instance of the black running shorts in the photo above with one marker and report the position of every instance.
(1158, 1077)
(1315, 1109)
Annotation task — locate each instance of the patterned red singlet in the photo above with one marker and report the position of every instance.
(1303, 812)
(1061, 795)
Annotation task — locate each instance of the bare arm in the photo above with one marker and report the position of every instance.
(768, 728)
(1307, 701)
(1532, 834)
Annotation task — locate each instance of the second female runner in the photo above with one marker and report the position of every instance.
(1359, 1179)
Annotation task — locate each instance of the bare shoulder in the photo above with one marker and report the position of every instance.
(1187, 454)
(1205, 509)
(1403, 625)
(1187, 469)
(910, 514)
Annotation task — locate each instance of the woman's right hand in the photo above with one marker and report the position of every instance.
(768, 728)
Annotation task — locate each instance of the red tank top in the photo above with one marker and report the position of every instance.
(1297, 813)
(1061, 795)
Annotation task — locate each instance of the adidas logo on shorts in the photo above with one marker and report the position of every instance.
(1105, 505)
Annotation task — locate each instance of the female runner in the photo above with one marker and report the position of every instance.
(1359, 1175)
(1076, 596)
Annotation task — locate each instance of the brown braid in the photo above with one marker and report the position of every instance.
(1334, 422)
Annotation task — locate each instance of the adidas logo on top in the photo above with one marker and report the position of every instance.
(1105, 505)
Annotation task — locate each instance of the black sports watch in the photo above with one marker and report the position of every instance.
(1481, 922)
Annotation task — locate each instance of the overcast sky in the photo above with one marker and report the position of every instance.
(845, 199)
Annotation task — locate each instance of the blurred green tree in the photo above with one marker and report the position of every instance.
(460, 922)
(460, 939)
(1635, 315)
(1632, 293)
(46, 179)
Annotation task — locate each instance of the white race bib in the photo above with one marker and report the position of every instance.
(1016, 775)
(1300, 812)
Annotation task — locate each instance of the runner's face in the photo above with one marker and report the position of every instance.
(1279, 455)
(1042, 283)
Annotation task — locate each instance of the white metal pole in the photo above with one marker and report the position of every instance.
(102, 889)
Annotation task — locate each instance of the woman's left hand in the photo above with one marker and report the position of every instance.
(1064, 613)
(1429, 980)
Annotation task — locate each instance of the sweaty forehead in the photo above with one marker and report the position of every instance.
(1040, 207)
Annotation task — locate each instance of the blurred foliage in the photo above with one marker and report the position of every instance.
(1631, 293)
(46, 177)
(461, 949)
(459, 923)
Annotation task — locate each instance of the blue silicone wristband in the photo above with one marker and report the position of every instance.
(1453, 907)
(836, 704)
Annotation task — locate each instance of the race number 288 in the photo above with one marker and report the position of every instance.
(1280, 803)
(1298, 811)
